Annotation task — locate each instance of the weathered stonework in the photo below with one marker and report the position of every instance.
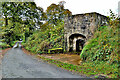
(81, 27)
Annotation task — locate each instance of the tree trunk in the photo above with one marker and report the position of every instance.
(6, 21)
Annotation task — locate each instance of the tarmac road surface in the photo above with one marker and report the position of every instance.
(17, 64)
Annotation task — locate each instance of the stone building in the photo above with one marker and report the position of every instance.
(80, 28)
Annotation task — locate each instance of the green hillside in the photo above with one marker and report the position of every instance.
(102, 50)
(103, 46)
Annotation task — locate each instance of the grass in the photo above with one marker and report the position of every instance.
(87, 68)
(103, 46)
(100, 54)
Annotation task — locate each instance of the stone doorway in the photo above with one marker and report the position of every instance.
(76, 42)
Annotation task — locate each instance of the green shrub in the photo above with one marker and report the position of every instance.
(103, 46)
(43, 40)
(4, 45)
(13, 43)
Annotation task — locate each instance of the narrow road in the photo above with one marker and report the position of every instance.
(17, 64)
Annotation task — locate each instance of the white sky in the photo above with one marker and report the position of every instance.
(84, 6)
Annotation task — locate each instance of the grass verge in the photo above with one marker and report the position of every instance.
(87, 68)
(90, 69)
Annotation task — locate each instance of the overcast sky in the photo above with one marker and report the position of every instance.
(84, 6)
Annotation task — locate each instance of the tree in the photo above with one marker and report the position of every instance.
(56, 12)
(20, 18)
(113, 19)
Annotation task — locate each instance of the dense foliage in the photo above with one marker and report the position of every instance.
(102, 50)
(51, 33)
(51, 37)
(56, 13)
(104, 46)
(19, 20)
(22, 19)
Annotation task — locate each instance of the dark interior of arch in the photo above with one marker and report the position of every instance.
(79, 42)
(79, 45)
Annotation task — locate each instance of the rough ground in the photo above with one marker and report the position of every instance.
(67, 58)
(63, 57)
(17, 64)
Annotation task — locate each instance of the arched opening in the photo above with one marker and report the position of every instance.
(76, 42)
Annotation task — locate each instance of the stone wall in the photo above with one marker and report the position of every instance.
(83, 25)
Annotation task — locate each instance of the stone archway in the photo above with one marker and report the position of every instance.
(76, 42)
